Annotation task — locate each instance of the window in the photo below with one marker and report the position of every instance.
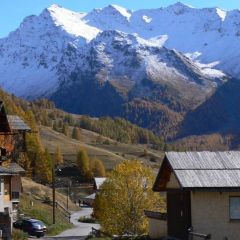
(234, 208)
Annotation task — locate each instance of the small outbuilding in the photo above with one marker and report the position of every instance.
(98, 182)
(203, 195)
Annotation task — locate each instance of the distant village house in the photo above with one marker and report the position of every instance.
(98, 182)
(203, 196)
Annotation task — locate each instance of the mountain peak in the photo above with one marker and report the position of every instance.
(179, 7)
(69, 21)
(121, 10)
(113, 9)
(54, 7)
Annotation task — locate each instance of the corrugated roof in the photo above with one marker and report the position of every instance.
(13, 168)
(91, 197)
(204, 160)
(205, 169)
(17, 124)
(209, 178)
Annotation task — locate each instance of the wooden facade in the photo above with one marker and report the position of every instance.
(12, 137)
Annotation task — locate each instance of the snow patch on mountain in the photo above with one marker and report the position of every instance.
(221, 13)
(71, 22)
(146, 19)
(122, 10)
(46, 49)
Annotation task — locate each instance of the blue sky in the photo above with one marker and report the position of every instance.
(12, 12)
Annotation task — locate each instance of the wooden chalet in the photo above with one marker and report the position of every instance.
(203, 196)
(12, 144)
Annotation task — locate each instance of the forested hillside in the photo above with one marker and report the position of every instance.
(37, 161)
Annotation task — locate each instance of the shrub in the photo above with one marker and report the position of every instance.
(87, 220)
(19, 235)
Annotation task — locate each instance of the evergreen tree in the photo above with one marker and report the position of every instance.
(97, 168)
(76, 133)
(58, 156)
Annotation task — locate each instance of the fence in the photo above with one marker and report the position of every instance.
(64, 211)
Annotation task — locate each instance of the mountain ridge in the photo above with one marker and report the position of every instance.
(165, 61)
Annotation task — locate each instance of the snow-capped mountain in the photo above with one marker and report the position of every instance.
(110, 60)
(35, 58)
(202, 34)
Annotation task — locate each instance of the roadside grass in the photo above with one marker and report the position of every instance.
(137, 237)
(19, 235)
(41, 192)
(34, 208)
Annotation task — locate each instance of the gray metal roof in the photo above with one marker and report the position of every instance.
(204, 160)
(17, 124)
(91, 197)
(206, 169)
(99, 182)
(13, 169)
(209, 178)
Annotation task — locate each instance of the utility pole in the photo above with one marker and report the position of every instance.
(53, 193)
(67, 194)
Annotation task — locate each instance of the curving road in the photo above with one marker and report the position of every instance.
(80, 230)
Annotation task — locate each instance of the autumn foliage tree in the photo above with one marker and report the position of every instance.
(37, 160)
(76, 133)
(97, 168)
(82, 163)
(127, 192)
(58, 156)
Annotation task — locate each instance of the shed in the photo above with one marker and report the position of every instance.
(98, 182)
(89, 200)
(203, 193)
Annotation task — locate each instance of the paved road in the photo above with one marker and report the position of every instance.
(80, 230)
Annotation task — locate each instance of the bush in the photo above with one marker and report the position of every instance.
(19, 235)
(87, 220)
